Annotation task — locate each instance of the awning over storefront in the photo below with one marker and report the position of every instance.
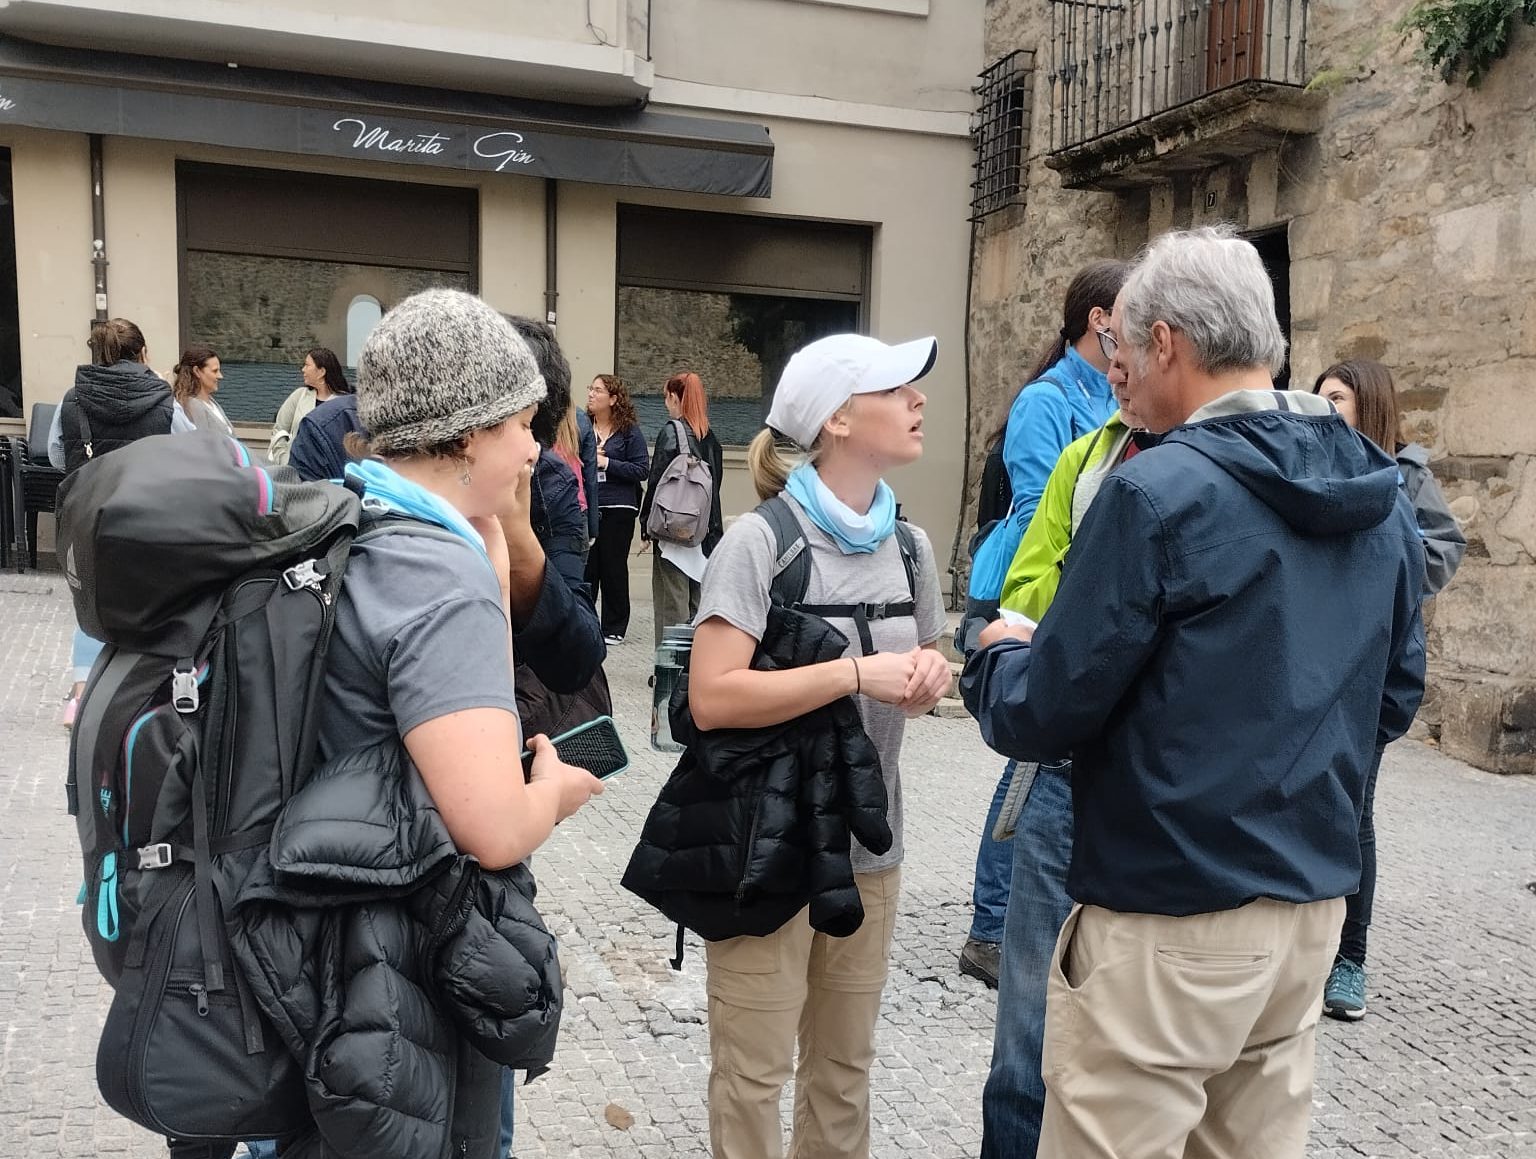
(75, 90)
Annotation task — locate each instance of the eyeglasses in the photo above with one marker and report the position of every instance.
(1108, 343)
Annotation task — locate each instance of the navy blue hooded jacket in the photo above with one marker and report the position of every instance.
(1237, 629)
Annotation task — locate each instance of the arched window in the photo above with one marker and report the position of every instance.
(362, 316)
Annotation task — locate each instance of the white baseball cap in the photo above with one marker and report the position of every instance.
(824, 375)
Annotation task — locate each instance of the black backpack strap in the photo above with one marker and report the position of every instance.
(792, 556)
(907, 542)
(83, 424)
(792, 573)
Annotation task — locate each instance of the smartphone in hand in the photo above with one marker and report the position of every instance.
(594, 746)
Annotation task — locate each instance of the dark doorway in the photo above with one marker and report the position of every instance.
(10, 322)
(1274, 248)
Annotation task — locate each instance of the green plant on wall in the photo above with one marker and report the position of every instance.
(1465, 34)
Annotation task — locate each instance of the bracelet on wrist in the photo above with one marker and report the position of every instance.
(858, 679)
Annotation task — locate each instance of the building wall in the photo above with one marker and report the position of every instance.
(1411, 219)
(912, 186)
(923, 57)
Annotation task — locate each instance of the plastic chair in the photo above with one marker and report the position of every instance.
(7, 504)
(35, 480)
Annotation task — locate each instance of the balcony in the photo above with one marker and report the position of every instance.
(594, 52)
(1143, 89)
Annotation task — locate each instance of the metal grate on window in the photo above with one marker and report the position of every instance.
(1000, 130)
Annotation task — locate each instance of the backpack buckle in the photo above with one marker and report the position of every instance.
(157, 856)
(875, 611)
(304, 575)
(184, 695)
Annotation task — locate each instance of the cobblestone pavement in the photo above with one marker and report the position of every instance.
(1445, 1065)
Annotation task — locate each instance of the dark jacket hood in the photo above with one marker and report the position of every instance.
(120, 394)
(1297, 456)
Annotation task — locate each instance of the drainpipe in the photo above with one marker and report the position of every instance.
(98, 229)
(551, 262)
(957, 593)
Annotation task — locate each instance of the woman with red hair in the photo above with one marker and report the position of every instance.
(674, 592)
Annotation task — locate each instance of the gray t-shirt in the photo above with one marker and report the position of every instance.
(736, 587)
(419, 633)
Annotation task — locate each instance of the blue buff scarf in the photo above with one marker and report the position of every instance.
(396, 493)
(853, 533)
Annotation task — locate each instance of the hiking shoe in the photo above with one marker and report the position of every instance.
(1344, 996)
(68, 713)
(981, 960)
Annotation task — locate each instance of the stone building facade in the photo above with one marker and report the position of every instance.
(1398, 215)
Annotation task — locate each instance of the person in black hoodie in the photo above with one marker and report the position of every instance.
(1222, 718)
(115, 400)
(675, 596)
(622, 463)
(116, 397)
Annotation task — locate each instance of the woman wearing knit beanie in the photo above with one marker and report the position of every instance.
(422, 647)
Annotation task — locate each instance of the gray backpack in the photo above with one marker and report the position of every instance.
(684, 496)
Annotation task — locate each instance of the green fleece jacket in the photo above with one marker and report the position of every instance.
(1030, 585)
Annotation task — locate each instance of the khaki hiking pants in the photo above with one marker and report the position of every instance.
(764, 994)
(1185, 1038)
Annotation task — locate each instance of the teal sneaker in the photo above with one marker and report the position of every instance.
(1344, 996)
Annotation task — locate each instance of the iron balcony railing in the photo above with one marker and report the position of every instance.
(1113, 64)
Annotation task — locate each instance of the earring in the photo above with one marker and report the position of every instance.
(464, 479)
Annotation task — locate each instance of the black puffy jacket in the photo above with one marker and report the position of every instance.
(754, 824)
(401, 974)
(121, 404)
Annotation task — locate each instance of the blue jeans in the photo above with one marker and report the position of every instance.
(1014, 1099)
(261, 1148)
(508, 1100)
(82, 655)
(994, 866)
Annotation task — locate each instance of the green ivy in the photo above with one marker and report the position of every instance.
(1465, 34)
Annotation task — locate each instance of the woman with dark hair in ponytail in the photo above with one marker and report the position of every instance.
(115, 400)
(1066, 396)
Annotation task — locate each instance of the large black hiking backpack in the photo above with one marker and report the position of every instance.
(212, 586)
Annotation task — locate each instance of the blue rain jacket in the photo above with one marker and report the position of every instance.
(1069, 400)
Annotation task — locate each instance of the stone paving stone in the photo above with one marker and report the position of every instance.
(1444, 1065)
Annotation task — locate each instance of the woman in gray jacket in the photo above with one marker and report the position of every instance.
(1363, 393)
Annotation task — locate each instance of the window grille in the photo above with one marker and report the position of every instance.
(1000, 131)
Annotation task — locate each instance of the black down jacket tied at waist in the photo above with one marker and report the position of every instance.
(397, 971)
(754, 824)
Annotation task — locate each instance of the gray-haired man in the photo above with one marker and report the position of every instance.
(1237, 627)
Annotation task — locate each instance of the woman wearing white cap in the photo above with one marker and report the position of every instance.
(845, 412)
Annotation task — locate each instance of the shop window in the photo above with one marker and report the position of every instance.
(273, 264)
(10, 324)
(362, 316)
(729, 298)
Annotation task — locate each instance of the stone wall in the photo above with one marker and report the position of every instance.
(667, 332)
(1411, 219)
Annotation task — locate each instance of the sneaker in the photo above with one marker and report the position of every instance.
(68, 713)
(1344, 996)
(614, 639)
(981, 961)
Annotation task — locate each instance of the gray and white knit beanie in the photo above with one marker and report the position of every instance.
(439, 365)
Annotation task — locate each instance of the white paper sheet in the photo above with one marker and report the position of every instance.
(688, 560)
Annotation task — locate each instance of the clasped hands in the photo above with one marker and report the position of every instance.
(913, 681)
